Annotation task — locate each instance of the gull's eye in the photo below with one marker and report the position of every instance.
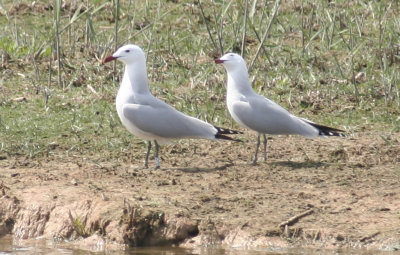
(127, 51)
(231, 55)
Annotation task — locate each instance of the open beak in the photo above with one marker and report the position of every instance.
(219, 61)
(108, 59)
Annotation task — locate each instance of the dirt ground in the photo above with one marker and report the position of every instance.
(333, 192)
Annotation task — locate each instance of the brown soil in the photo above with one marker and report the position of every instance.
(336, 192)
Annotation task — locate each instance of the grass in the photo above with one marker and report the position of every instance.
(333, 62)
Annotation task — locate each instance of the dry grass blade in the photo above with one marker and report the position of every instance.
(253, 28)
(244, 28)
(116, 17)
(207, 26)
(274, 12)
(219, 31)
(57, 10)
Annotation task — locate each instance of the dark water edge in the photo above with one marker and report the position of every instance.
(8, 246)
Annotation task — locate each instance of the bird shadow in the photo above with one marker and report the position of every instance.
(290, 164)
(298, 165)
(204, 169)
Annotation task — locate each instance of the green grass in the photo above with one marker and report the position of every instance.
(332, 62)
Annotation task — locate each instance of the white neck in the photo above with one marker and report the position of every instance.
(135, 79)
(134, 86)
(239, 82)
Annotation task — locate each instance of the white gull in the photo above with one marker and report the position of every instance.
(253, 111)
(148, 117)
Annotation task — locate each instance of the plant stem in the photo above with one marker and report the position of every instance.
(244, 28)
(207, 26)
(274, 12)
(57, 21)
(116, 17)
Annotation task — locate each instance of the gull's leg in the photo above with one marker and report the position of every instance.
(146, 161)
(156, 158)
(257, 145)
(265, 147)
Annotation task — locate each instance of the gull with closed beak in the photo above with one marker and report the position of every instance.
(148, 117)
(255, 112)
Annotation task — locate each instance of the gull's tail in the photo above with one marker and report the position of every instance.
(223, 132)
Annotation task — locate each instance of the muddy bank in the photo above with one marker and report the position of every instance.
(93, 223)
(311, 193)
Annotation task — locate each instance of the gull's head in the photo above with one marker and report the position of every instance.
(127, 54)
(231, 61)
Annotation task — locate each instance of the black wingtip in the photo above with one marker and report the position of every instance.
(331, 133)
(223, 132)
(226, 131)
(224, 137)
(328, 131)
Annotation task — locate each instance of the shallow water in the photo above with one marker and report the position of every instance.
(7, 246)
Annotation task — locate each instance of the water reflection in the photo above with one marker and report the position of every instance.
(40, 247)
(199, 251)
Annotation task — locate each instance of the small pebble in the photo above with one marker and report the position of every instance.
(74, 182)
